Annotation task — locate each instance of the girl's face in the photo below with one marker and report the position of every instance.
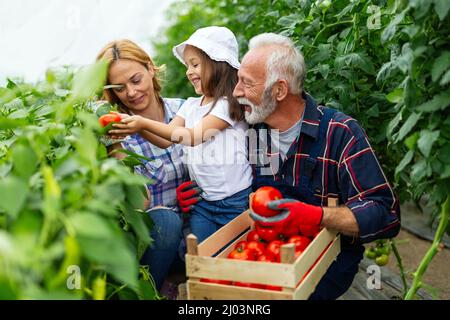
(135, 81)
(193, 59)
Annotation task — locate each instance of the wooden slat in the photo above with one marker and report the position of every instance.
(309, 284)
(191, 243)
(278, 274)
(312, 253)
(287, 253)
(211, 291)
(221, 237)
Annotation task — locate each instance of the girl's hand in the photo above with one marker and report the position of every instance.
(129, 125)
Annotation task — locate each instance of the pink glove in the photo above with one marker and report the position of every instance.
(188, 194)
(295, 217)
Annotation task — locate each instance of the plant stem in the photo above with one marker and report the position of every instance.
(400, 266)
(323, 29)
(417, 282)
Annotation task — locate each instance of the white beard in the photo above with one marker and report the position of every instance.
(260, 112)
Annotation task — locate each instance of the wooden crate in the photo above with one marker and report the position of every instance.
(289, 274)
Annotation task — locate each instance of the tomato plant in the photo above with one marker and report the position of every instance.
(66, 208)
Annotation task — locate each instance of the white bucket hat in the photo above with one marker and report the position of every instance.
(219, 43)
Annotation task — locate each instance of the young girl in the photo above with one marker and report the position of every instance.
(210, 127)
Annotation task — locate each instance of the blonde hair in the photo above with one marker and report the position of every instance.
(127, 49)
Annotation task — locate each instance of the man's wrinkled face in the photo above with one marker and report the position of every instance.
(251, 90)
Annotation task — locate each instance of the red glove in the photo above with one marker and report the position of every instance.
(295, 217)
(188, 194)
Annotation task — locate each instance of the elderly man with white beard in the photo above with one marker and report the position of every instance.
(313, 153)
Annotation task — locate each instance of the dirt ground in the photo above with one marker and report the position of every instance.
(412, 249)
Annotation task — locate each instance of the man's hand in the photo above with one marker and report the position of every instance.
(188, 194)
(295, 217)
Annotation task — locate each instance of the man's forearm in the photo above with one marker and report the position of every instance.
(340, 219)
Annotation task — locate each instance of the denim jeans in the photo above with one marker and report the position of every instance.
(209, 216)
(162, 255)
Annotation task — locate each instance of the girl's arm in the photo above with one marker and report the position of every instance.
(159, 141)
(174, 131)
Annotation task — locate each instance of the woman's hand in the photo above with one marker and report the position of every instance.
(128, 126)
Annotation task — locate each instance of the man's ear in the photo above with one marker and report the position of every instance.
(281, 89)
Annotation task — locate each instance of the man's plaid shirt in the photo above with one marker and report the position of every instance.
(346, 168)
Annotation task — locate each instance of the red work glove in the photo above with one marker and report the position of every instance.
(188, 194)
(295, 217)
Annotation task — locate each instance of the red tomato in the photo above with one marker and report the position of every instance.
(266, 257)
(241, 245)
(249, 285)
(257, 247)
(274, 248)
(300, 242)
(245, 254)
(267, 233)
(261, 197)
(227, 282)
(254, 236)
(106, 119)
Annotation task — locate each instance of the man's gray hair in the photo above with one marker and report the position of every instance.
(285, 62)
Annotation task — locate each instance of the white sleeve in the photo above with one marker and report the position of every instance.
(184, 109)
(222, 111)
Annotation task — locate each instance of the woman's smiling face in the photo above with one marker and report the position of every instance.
(135, 83)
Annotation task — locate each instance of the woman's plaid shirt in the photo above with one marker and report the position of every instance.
(165, 168)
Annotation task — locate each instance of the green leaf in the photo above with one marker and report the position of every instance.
(445, 79)
(114, 256)
(439, 102)
(420, 170)
(426, 141)
(411, 141)
(324, 70)
(87, 146)
(446, 172)
(135, 195)
(13, 194)
(24, 160)
(11, 84)
(354, 59)
(89, 80)
(389, 31)
(290, 21)
(405, 161)
(395, 96)
(9, 124)
(136, 221)
(408, 125)
(394, 123)
(441, 7)
(93, 226)
(440, 65)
